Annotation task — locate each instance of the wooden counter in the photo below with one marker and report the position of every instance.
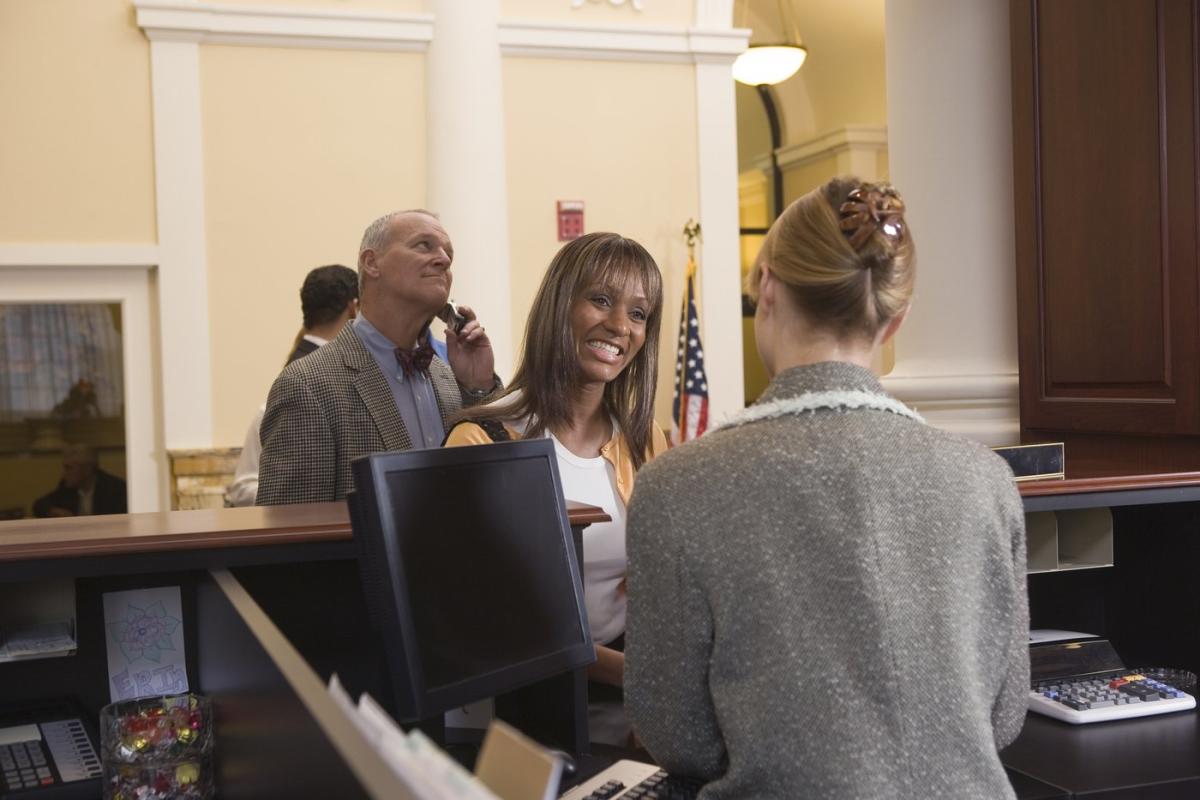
(174, 540)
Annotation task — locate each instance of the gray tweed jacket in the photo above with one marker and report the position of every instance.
(327, 409)
(828, 605)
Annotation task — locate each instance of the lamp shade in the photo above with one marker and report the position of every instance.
(768, 64)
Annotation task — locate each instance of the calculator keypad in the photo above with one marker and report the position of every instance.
(1084, 693)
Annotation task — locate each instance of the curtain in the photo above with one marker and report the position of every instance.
(46, 350)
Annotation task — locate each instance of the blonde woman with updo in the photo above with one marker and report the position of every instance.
(827, 595)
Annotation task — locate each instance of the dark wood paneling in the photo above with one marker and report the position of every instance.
(1105, 195)
(1098, 127)
(269, 743)
(1095, 454)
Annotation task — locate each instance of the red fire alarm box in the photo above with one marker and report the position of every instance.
(570, 220)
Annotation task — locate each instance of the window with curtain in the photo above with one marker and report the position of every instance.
(60, 359)
(62, 407)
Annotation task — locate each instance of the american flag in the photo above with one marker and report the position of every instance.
(690, 407)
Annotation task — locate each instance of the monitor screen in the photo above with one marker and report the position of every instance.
(474, 578)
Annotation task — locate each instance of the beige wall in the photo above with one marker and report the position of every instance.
(302, 149)
(843, 82)
(76, 154)
(601, 12)
(753, 129)
(394, 6)
(613, 140)
(866, 163)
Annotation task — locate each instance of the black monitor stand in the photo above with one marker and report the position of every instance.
(552, 712)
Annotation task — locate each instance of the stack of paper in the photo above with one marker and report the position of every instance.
(510, 765)
(39, 640)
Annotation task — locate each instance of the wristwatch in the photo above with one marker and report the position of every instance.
(479, 394)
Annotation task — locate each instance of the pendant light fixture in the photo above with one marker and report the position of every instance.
(775, 61)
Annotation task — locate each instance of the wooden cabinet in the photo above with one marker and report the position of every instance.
(1106, 199)
(1144, 603)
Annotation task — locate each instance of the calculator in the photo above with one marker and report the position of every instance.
(1085, 681)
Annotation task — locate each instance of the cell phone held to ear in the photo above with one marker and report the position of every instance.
(452, 317)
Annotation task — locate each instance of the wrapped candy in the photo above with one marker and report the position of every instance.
(157, 748)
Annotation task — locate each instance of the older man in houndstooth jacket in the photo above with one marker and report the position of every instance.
(376, 387)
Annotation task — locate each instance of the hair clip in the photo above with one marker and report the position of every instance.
(870, 208)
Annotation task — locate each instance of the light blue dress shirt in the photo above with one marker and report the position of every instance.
(414, 395)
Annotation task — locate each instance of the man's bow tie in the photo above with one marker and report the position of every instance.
(415, 360)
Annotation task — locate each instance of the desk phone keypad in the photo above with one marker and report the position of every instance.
(24, 766)
(64, 754)
(632, 780)
(1096, 699)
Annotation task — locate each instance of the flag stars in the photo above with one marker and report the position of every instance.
(690, 383)
(695, 323)
(693, 342)
(691, 362)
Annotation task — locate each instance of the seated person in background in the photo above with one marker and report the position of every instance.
(826, 595)
(586, 380)
(328, 300)
(377, 386)
(84, 489)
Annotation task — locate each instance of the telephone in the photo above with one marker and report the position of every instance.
(452, 317)
(47, 753)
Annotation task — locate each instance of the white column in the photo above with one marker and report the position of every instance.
(950, 149)
(720, 257)
(182, 278)
(720, 272)
(467, 175)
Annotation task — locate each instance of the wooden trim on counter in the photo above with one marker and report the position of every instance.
(203, 529)
(1114, 483)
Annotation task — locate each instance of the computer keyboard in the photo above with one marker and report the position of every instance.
(1098, 698)
(632, 780)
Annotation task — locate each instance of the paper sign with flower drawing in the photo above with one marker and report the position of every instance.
(144, 630)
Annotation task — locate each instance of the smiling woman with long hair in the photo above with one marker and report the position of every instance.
(586, 380)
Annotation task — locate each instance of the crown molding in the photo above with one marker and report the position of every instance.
(980, 407)
(828, 145)
(839, 140)
(280, 26)
(621, 42)
(994, 388)
(136, 256)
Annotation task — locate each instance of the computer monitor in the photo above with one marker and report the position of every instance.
(469, 570)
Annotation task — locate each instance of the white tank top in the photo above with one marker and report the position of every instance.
(593, 481)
